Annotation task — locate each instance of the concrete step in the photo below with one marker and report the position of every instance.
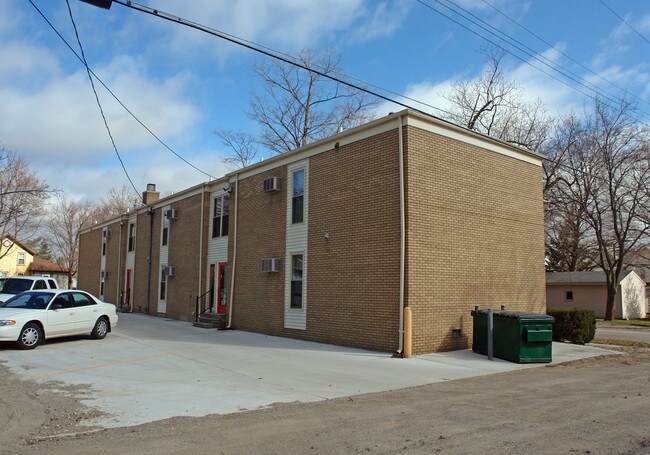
(211, 321)
(212, 316)
(205, 325)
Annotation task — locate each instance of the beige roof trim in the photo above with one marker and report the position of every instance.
(179, 196)
(346, 137)
(472, 138)
(388, 123)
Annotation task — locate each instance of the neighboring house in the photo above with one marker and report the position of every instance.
(41, 267)
(588, 291)
(15, 257)
(332, 241)
(640, 262)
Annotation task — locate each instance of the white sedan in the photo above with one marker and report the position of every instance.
(33, 316)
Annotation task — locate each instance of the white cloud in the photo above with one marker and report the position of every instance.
(382, 22)
(60, 120)
(20, 60)
(422, 96)
(558, 98)
(160, 167)
(290, 24)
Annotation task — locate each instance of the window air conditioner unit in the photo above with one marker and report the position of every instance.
(270, 265)
(104, 274)
(272, 184)
(107, 233)
(170, 270)
(171, 214)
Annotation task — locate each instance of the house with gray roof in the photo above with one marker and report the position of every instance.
(588, 291)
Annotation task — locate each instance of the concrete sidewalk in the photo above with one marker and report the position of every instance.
(151, 368)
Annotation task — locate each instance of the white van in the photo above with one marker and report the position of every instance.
(17, 284)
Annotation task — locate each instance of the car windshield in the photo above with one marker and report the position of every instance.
(29, 300)
(16, 286)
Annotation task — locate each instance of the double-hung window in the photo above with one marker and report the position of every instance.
(221, 211)
(298, 197)
(296, 280)
(163, 283)
(131, 237)
(21, 258)
(165, 231)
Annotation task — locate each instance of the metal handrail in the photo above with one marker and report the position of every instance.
(198, 300)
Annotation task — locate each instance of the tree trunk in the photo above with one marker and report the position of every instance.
(611, 300)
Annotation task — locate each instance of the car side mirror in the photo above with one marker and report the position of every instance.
(56, 306)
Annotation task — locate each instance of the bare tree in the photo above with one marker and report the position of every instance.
(609, 174)
(495, 105)
(22, 198)
(299, 106)
(117, 201)
(567, 239)
(243, 145)
(65, 221)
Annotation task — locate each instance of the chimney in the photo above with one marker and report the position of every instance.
(151, 195)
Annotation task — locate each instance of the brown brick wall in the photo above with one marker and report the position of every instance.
(112, 284)
(140, 272)
(352, 278)
(258, 296)
(184, 240)
(475, 236)
(90, 256)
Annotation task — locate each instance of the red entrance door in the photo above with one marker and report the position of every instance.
(128, 287)
(211, 297)
(221, 287)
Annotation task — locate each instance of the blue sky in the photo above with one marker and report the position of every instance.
(183, 84)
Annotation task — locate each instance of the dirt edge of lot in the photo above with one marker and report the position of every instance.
(40, 417)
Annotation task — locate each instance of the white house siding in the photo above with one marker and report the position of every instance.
(129, 262)
(164, 257)
(217, 247)
(296, 243)
(633, 296)
(103, 263)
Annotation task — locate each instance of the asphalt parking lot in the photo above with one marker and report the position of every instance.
(150, 369)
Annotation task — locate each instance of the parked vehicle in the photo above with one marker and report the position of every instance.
(31, 317)
(17, 284)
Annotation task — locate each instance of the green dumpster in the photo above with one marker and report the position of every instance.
(517, 336)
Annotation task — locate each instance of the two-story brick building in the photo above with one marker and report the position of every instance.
(337, 241)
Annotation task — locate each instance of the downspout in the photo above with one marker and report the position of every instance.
(150, 212)
(119, 264)
(234, 253)
(402, 239)
(132, 293)
(201, 238)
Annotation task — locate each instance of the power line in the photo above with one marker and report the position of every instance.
(625, 22)
(116, 97)
(269, 52)
(99, 104)
(264, 50)
(563, 53)
(533, 55)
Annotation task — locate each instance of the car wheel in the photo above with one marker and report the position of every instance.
(30, 336)
(101, 329)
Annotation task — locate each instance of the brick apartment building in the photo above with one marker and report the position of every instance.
(332, 241)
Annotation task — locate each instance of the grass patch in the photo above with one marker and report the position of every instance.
(634, 322)
(636, 344)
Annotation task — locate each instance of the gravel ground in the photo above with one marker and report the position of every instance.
(592, 406)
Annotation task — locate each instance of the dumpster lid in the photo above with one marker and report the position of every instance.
(515, 314)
